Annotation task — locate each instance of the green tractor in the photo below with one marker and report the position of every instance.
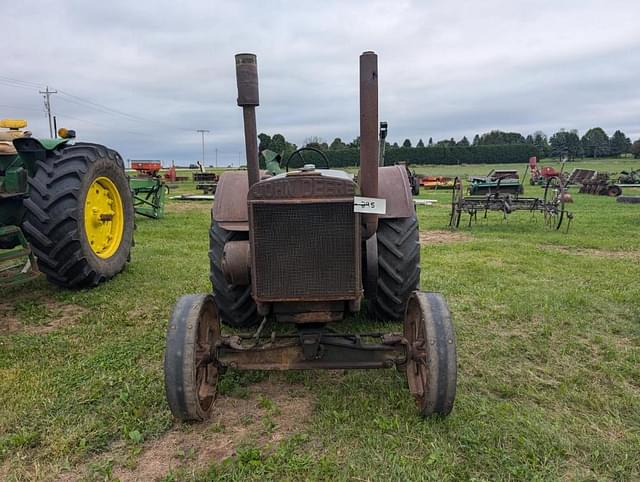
(66, 209)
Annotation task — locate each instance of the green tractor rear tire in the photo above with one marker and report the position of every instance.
(79, 216)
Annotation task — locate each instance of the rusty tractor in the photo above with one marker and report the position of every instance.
(306, 248)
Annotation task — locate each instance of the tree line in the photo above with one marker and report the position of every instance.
(502, 147)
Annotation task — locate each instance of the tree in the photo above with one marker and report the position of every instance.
(316, 142)
(395, 145)
(337, 144)
(476, 140)
(420, 143)
(558, 143)
(595, 142)
(265, 142)
(464, 142)
(619, 144)
(406, 143)
(430, 142)
(355, 143)
(529, 139)
(497, 137)
(635, 149)
(445, 143)
(278, 143)
(541, 143)
(574, 147)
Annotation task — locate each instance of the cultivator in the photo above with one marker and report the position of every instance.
(148, 189)
(551, 205)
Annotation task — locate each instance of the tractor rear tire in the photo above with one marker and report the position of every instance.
(235, 305)
(398, 267)
(55, 223)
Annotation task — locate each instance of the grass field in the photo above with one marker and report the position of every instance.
(548, 329)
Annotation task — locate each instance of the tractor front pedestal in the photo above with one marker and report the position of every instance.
(197, 353)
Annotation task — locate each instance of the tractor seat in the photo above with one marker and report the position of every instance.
(7, 148)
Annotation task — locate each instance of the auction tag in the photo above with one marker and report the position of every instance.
(369, 205)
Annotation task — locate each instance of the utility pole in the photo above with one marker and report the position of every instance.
(47, 105)
(202, 131)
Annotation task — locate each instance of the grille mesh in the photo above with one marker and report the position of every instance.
(304, 251)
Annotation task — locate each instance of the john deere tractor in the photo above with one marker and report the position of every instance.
(308, 248)
(65, 209)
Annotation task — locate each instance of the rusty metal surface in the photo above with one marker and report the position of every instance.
(236, 262)
(248, 99)
(369, 154)
(310, 317)
(309, 311)
(294, 187)
(395, 188)
(231, 199)
(305, 249)
(310, 350)
(247, 80)
(578, 176)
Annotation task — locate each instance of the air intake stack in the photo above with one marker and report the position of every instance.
(369, 134)
(248, 99)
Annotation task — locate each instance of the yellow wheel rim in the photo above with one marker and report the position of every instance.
(103, 217)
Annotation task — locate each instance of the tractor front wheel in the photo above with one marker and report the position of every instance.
(190, 368)
(79, 215)
(432, 363)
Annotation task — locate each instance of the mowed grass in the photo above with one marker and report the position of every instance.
(548, 329)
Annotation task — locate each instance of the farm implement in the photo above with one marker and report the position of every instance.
(304, 249)
(148, 189)
(551, 205)
(66, 209)
(604, 183)
(502, 181)
(207, 182)
(541, 175)
(436, 182)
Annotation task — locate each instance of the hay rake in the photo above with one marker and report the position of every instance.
(551, 205)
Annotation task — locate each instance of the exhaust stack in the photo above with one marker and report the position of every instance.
(369, 150)
(248, 99)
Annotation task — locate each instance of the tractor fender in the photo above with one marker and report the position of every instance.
(394, 186)
(230, 206)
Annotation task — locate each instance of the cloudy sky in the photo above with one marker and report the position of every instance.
(141, 76)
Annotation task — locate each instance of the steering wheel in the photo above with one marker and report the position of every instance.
(298, 153)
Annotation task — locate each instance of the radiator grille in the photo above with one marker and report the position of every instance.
(304, 251)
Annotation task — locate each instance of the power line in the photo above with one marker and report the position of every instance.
(47, 105)
(87, 103)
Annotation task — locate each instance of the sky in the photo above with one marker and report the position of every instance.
(142, 76)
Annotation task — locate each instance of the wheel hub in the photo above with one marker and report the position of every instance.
(103, 217)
